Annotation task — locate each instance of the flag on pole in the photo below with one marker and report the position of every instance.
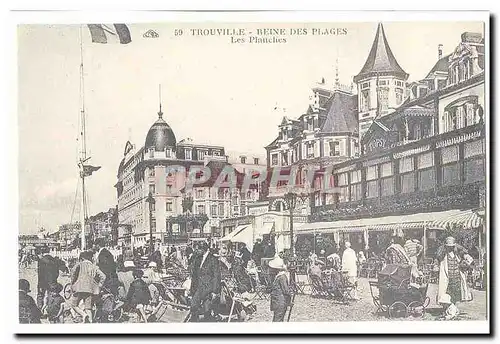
(103, 33)
(87, 170)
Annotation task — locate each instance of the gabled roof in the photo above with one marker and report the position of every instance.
(342, 114)
(441, 66)
(380, 59)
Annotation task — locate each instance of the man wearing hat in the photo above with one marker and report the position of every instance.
(280, 290)
(452, 280)
(28, 311)
(126, 277)
(205, 283)
(258, 251)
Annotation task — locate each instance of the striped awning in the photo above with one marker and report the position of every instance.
(386, 223)
(465, 219)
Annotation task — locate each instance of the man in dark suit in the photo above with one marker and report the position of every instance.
(205, 283)
(48, 272)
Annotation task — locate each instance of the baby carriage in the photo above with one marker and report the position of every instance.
(397, 296)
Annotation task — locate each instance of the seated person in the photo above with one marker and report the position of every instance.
(138, 294)
(55, 304)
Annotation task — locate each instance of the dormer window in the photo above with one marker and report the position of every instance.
(168, 152)
(243, 159)
(334, 148)
(310, 124)
(188, 154)
(151, 152)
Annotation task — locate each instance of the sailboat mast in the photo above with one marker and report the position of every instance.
(83, 151)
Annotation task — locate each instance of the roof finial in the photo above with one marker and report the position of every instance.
(160, 114)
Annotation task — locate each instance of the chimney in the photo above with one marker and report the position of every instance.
(440, 51)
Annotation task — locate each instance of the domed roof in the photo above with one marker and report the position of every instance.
(160, 135)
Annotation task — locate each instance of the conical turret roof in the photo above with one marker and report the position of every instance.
(381, 60)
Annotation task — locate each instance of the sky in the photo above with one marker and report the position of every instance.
(213, 91)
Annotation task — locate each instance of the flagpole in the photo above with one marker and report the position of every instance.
(83, 152)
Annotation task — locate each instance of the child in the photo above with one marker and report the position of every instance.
(55, 304)
(280, 292)
(138, 294)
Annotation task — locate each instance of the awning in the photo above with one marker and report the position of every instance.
(465, 219)
(230, 236)
(244, 236)
(265, 229)
(378, 223)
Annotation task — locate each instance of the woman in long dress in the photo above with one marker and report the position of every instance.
(452, 288)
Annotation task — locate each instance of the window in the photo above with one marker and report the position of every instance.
(201, 209)
(474, 170)
(334, 148)
(255, 161)
(342, 179)
(284, 134)
(408, 182)
(399, 83)
(153, 225)
(449, 154)
(473, 148)
(153, 207)
(387, 186)
(384, 99)
(243, 159)
(365, 85)
(202, 154)
(356, 192)
(399, 96)
(221, 209)
(426, 179)
(152, 188)
(168, 206)
(284, 158)
(310, 150)
(383, 82)
(199, 194)
(450, 174)
(310, 124)
(406, 164)
(343, 194)
(188, 154)
(372, 189)
(425, 160)
(355, 176)
(371, 172)
(151, 171)
(151, 152)
(274, 159)
(365, 100)
(216, 153)
(169, 189)
(386, 169)
(168, 153)
(213, 210)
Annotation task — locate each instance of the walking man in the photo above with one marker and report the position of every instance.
(205, 283)
(87, 280)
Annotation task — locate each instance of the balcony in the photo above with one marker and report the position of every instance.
(444, 198)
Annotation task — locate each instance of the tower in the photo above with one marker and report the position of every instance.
(381, 83)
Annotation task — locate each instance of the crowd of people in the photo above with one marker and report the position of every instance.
(134, 279)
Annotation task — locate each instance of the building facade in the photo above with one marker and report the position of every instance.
(162, 168)
(398, 155)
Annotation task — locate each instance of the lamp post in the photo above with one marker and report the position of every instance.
(151, 201)
(291, 200)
